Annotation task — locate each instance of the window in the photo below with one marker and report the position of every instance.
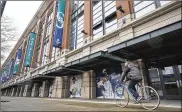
(143, 7)
(164, 2)
(77, 25)
(104, 18)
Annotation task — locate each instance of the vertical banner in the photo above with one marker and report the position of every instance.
(11, 65)
(75, 86)
(17, 62)
(59, 24)
(29, 53)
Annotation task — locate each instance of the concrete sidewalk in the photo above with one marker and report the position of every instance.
(163, 103)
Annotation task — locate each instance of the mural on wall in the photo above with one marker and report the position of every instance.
(50, 90)
(75, 86)
(106, 83)
(40, 91)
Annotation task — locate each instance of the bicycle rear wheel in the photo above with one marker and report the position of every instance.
(121, 96)
(150, 97)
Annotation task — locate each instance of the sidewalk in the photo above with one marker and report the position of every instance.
(163, 103)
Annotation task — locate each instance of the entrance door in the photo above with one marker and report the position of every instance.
(170, 81)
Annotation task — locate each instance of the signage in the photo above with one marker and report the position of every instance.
(59, 24)
(29, 53)
(17, 62)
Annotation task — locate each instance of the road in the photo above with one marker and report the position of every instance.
(48, 104)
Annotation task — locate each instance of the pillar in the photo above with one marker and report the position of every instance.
(51, 37)
(61, 87)
(45, 87)
(128, 10)
(17, 92)
(88, 90)
(5, 93)
(27, 90)
(13, 91)
(67, 22)
(35, 90)
(88, 19)
(143, 69)
(21, 90)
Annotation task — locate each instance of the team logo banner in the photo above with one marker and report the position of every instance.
(11, 65)
(59, 24)
(17, 62)
(29, 53)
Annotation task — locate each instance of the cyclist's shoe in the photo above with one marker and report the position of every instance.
(138, 100)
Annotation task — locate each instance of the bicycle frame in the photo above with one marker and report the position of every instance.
(125, 86)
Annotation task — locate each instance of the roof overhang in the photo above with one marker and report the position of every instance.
(157, 45)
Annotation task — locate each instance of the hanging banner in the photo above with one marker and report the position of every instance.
(3, 74)
(75, 86)
(29, 53)
(59, 24)
(11, 65)
(17, 62)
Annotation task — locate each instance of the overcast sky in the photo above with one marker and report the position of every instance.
(21, 12)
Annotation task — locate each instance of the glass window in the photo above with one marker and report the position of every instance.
(77, 25)
(145, 11)
(164, 2)
(104, 18)
(142, 5)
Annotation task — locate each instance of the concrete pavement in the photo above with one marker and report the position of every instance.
(52, 104)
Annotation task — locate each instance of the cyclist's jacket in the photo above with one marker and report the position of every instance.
(131, 71)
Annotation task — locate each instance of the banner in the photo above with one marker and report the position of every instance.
(11, 65)
(17, 62)
(29, 53)
(106, 84)
(75, 86)
(59, 24)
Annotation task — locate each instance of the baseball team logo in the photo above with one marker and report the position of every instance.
(60, 20)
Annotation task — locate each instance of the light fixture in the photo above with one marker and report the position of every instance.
(120, 9)
(83, 31)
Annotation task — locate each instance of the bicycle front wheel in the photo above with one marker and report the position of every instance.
(121, 96)
(150, 97)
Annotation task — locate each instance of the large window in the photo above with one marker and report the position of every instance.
(104, 18)
(77, 25)
(143, 7)
(46, 40)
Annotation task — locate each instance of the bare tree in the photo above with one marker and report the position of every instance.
(8, 34)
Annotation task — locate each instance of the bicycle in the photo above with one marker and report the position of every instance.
(149, 94)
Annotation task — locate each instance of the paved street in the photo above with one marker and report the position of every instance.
(48, 104)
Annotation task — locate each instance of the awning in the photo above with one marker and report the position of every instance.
(60, 71)
(89, 62)
(158, 45)
(93, 61)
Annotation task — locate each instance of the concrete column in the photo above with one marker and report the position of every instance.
(61, 87)
(88, 90)
(45, 87)
(143, 70)
(27, 90)
(21, 90)
(35, 90)
(13, 91)
(17, 91)
(5, 93)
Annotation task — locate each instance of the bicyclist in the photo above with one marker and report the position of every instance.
(132, 73)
